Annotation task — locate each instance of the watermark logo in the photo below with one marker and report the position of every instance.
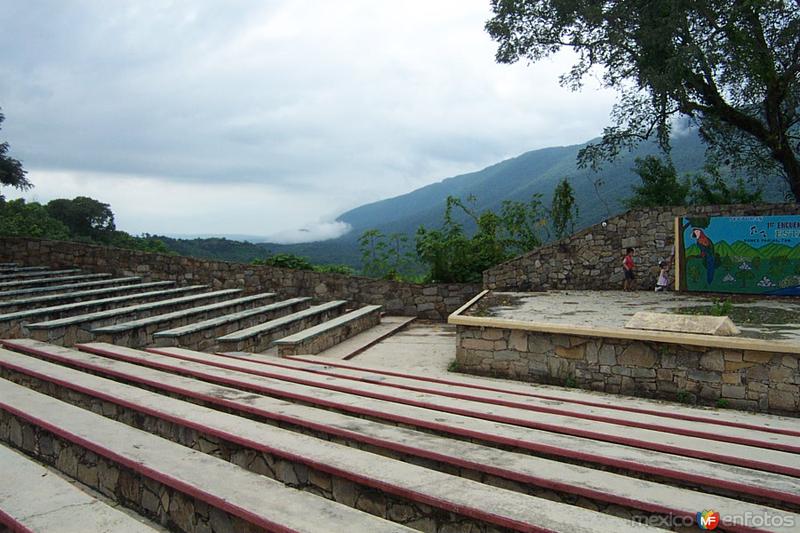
(708, 519)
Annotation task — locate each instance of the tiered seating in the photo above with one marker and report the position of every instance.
(11, 323)
(17, 284)
(11, 305)
(66, 287)
(259, 338)
(77, 328)
(22, 274)
(423, 497)
(139, 332)
(317, 338)
(203, 335)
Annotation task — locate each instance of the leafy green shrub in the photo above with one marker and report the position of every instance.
(286, 261)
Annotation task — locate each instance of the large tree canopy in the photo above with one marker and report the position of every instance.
(732, 66)
(11, 171)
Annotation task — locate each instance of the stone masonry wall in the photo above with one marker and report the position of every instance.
(743, 379)
(433, 301)
(592, 258)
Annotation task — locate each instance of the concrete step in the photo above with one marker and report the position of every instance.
(216, 390)
(626, 404)
(79, 328)
(353, 346)
(67, 287)
(330, 332)
(10, 285)
(203, 335)
(461, 502)
(36, 498)
(138, 333)
(706, 430)
(762, 457)
(12, 324)
(36, 274)
(258, 338)
(6, 268)
(19, 304)
(189, 490)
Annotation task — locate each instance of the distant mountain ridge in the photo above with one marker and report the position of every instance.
(517, 178)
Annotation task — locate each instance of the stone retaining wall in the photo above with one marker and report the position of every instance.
(743, 379)
(433, 301)
(592, 258)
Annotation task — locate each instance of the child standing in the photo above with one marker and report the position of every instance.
(627, 269)
(662, 284)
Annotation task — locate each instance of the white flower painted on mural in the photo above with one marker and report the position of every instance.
(728, 279)
(745, 266)
(766, 282)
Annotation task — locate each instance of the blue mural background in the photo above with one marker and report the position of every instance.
(751, 255)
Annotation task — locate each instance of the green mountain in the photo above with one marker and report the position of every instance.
(742, 249)
(517, 178)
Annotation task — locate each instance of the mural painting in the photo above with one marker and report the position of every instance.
(750, 255)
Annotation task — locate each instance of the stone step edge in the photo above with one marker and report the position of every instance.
(47, 281)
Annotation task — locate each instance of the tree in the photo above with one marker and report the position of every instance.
(85, 217)
(660, 185)
(731, 66)
(563, 210)
(11, 171)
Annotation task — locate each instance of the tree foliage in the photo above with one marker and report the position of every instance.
(454, 256)
(563, 210)
(85, 217)
(385, 256)
(660, 184)
(82, 219)
(731, 66)
(11, 171)
(661, 187)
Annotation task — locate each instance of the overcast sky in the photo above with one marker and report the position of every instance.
(264, 117)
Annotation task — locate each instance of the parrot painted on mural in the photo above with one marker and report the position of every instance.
(706, 252)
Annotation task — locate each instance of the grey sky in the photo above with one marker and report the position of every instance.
(264, 117)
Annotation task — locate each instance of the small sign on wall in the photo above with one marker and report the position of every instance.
(749, 255)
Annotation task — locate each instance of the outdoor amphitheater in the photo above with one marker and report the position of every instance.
(147, 392)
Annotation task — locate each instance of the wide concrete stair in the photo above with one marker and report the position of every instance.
(204, 442)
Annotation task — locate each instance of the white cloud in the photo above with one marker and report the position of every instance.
(307, 107)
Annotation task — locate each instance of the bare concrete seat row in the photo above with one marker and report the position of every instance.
(46, 281)
(9, 306)
(203, 335)
(259, 337)
(67, 287)
(10, 322)
(521, 472)
(318, 338)
(39, 274)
